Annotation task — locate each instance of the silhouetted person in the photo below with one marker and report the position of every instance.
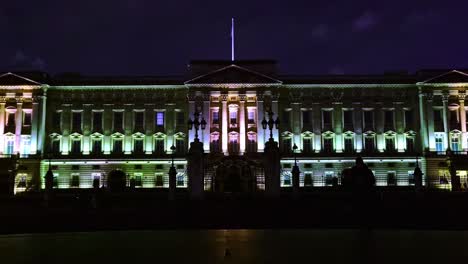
(363, 181)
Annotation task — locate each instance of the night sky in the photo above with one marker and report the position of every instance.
(123, 37)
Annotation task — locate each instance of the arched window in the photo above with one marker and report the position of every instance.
(214, 142)
(251, 142)
(233, 142)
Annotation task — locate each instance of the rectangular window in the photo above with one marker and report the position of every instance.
(26, 146)
(349, 144)
(138, 146)
(409, 119)
(159, 145)
(327, 117)
(409, 144)
(139, 120)
(308, 179)
(369, 143)
(391, 178)
(57, 121)
(97, 121)
(411, 180)
(10, 145)
(369, 120)
(306, 117)
(56, 146)
(285, 118)
(26, 118)
(329, 178)
(215, 117)
(180, 118)
(455, 146)
(390, 143)
(287, 145)
(251, 145)
(137, 177)
(233, 117)
(117, 146)
(328, 145)
(214, 145)
(251, 117)
(389, 123)
(10, 119)
(75, 180)
(180, 145)
(76, 121)
(118, 121)
(439, 143)
(97, 146)
(159, 180)
(438, 122)
(76, 147)
(307, 145)
(348, 119)
(159, 119)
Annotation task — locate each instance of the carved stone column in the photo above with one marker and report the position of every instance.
(461, 99)
(242, 130)
(445, 117)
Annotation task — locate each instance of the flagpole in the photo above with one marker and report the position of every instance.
(232, 39)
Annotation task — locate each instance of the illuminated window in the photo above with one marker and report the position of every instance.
(215, 117)
(251, 116)
(26, 145)
(439, 142)
(137, 178)
(455, 142)
(411, 180)
(10, 122)
(180, 180)
(10, 145)
(233, 117)
(329, 178)
(159, 119)
(76, 121)
(287, 181)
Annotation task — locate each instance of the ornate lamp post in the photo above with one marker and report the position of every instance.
(295, 173)
(271, 123)
(196, 123)
(172, 175)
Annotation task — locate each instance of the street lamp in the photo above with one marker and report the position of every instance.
(271, 123)
(173, 148)
(295, 173)
(172, 175)
(196, 123)
(294, 152)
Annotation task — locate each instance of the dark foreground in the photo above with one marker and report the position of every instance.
(146, 210)
(238, 246)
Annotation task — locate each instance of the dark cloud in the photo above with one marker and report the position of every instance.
(366, 21)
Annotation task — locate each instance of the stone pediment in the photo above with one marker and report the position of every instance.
(11, 79)
(448, 77)
(233, 74)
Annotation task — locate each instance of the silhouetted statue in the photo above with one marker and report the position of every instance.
(362, 177)
(116, 181)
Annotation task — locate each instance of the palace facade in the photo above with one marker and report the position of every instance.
(84, 127)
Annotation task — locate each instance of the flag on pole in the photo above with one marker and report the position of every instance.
(232, 39)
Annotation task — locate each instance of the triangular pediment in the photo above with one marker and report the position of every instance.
(233, 74)
(449, 77)
(11, 79)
